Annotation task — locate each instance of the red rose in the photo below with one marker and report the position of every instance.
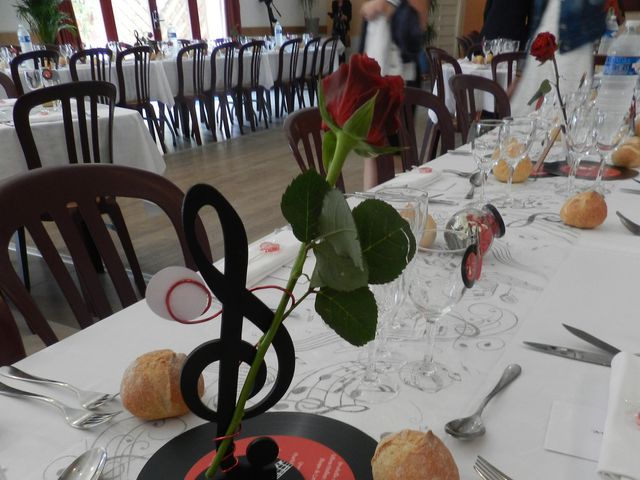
(544, 47)
(352, 85)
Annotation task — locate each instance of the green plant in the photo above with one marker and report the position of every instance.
(431, 33)
(44, 18)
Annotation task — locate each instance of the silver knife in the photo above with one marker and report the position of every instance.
(630, 190)
(595, 341)
(603, 359)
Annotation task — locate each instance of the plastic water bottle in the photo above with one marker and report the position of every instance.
(278, 32)
(172, 37)
(609, 34)
(25, 39)
(621, 70)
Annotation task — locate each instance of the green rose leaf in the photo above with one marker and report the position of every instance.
(302, 203)
(352, 315)
(329, 142)
(359, 122)
(336, 271)
(386, 240)
(337, 226)
(543, 89)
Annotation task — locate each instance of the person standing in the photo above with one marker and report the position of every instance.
(341, 16)
(507, 19)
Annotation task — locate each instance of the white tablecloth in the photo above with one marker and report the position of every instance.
(132, 143)
(539, 275)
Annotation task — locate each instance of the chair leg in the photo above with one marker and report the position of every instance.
(151, 115)
(169, 123)
(209, 105)
(225, 115)
(249, 109)
(195, 125)
(21, 253)
(276, 92)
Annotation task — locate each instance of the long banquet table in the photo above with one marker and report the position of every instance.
(539, 275)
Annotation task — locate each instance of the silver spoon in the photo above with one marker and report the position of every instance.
(87, 466)
(476, 181)
(472, 427)
(630, 225)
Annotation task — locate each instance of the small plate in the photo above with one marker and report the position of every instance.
(589, 169)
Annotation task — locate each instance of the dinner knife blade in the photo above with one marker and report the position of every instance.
(603, 359)
(595, 341)
(630, 190)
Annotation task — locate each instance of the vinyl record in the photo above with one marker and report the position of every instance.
(588, 170)
(316, 446)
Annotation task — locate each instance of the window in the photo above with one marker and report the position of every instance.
(212, 15)
(90, 22)
(176, 13)
(130, 16)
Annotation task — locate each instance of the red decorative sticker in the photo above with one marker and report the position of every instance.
(425, 169)
(312, 459)
(47, 74)
(269, 247)
(471, 266)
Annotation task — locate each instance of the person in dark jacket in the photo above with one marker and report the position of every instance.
(341, 16)
(507, 19)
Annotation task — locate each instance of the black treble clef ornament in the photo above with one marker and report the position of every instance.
(230, 350)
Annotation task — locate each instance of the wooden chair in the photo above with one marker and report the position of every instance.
(308, 71)
(142, 102)
(225, 52)
(287, 70)
(38, 57)
(78, 101)
(304, 127)
(84, 291)
(464, 88)
(436, 57)
(99, 61)
(327, 58)
(9, 87)
(463, 46)
(183, 42)
(510, 59)
(249, 84)
(186, 103)
(418, 102)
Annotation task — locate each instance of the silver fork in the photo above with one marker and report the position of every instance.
(631, 226)
(487, 471)
(75, 417)
(89, 400)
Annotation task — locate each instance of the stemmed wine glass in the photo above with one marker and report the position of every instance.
(517, 138)
(486, 47)
(443, 272)
(610, 129)
(486, 142)
(580, 138)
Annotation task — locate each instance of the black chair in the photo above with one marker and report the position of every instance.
(327, 57)
(304, 128)
(249, 84)
(98, 60)
(186, 103)
(9, 87)
(418, 102)
(39, 58)
(224, 88)
(306, 79)
(142, 103)
(85, 292)
(464, 87)
(511, 59)
(287, 70)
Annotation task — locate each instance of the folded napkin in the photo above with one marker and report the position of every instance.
(263, 262)
(620, 451)
(418, 178)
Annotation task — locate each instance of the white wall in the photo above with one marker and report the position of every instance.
(8, 19)
(254, 13)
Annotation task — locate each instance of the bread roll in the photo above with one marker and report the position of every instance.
(628, 154)
(429, 233)
(412, 455)
(520, 173)
(150, 387)
(584, 210)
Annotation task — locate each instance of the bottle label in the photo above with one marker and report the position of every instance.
(622, 65)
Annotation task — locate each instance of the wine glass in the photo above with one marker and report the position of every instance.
(517, 138)
(486, 141)
(443, 272)
(580, 138)
(610, 129)
(33, 79)
(486, 47)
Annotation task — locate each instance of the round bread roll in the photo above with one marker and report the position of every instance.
(520, 174)
(628, 154)
(150, 387)
(413, 455)
(429, 233)
(584, 210)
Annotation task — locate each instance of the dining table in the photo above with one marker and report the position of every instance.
(132, 143)
(539, 275)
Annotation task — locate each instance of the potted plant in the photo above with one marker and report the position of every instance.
(44, 18)
(311, 20)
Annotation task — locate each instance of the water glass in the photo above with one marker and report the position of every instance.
(610, 129)
(518, 137)
(486, 142)
(580, 139)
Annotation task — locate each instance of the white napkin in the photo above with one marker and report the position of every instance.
(418, 178)
(261, 263)
(620, 452)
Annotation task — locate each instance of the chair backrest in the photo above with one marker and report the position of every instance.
(225, 51)
(327, 56)
(288, 59)
(511, 59)
(253, 80)
(79, 105)
(85, 187)
(183, 42)
(38, 57)
(419, 103)
(98, 60)
(141, 64)
(304, 127)
(463, 45)
(436, 57)
(197, 54)
(8, 85)
(464, 87)
(310, 58)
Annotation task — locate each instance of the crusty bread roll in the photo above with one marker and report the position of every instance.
(628, 154)
(429, 233)
(413, 455)
(584, 210)
(150, 387)
(520, 173)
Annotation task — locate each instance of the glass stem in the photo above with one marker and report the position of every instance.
(483, 181)
(370, 374)
(430, 334)
(509, 200)
(575, 163)
(598, 182)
